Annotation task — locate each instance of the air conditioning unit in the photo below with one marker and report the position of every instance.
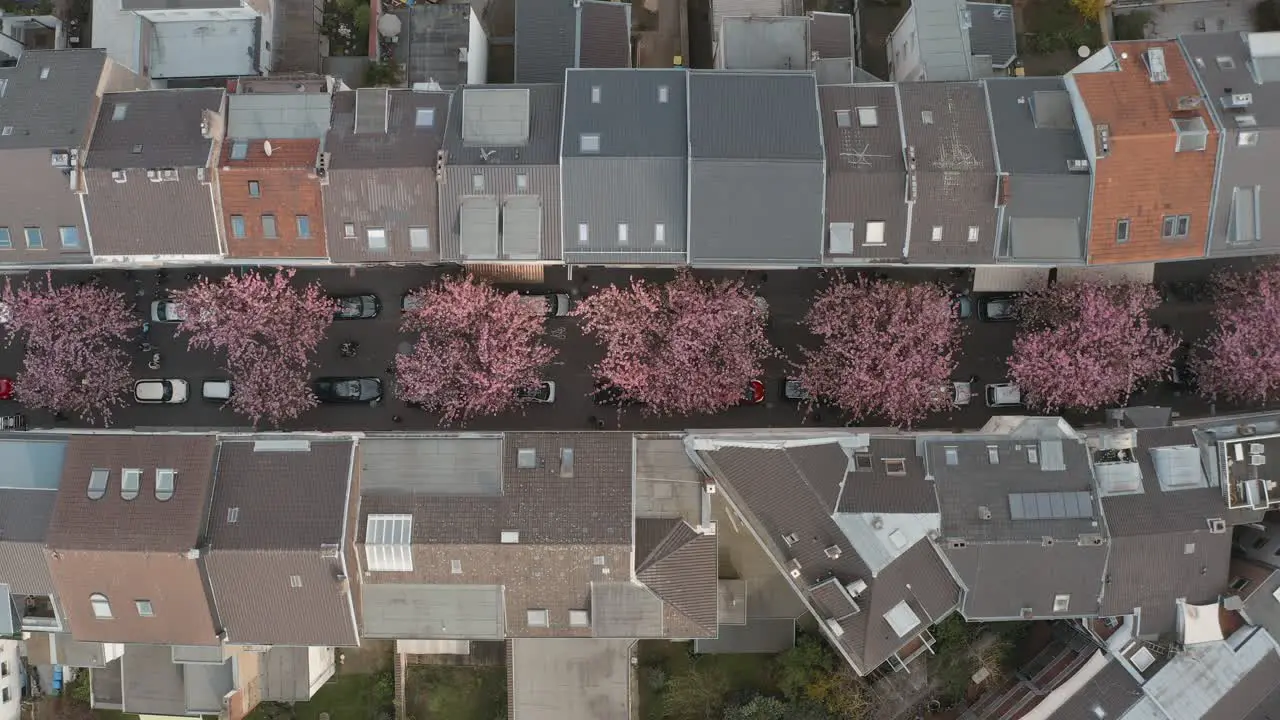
(1257, 449)
(1237, 100)
(119, 176)
(1257, 460)
(60, 159)
(856, 588)
(170, 174)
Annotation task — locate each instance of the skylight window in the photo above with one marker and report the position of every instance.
(1061, 603)
(101, 606)
(936, 233)
(664, 93)
(98, 483)
(659, 234)
(119, 111)
(589, 142)
(1193, 134)
(44, 73)
(239, 150)
(425, 117)
(388, 543)
(868, 117)
(595, 94)
(166, 480)
(844, 118)
(926, 117)
(130, 483)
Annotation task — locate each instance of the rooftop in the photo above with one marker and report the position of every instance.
(1225, 64)
(763, 43)
(545, 47)
(155, 129)
(278, 116)
(50, 98)
(992, 33)
(433, 42)
(505, 125)
(398, 128)
(628, 113)
(758, 117)
(603, 34)
(832, 34)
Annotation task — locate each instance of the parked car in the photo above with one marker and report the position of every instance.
(753, 393)
(793, 390)
(1003, 395)
(543, 392)
(356, 307)
(554, 304)
(961, 306)
(410, 301)
(998, 308)
(606, 394)
(165, 311)
(216, 390)
(161, 391)
(1182, 376)
(347, 389)
(957, 393)
(6, 388)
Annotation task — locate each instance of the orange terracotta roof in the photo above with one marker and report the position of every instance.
(284, 154)
(1142, 179)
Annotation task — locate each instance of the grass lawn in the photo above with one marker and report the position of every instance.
(345, 696)
(447, 692)
(747, 674)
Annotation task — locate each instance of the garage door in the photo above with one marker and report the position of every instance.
(1004, 278)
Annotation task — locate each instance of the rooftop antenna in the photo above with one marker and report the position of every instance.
(487, 155)
(266, 147)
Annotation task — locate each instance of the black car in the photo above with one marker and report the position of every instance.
(348, 389)
(961, 306)
(998, 308)
(356, 307)
(1182, 375)
(606, 394)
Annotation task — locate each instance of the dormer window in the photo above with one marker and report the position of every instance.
(98, 483)
(130, 483)
(101, 606)
(165, 483)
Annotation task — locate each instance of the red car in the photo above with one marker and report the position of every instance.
(6, 388)
(753, 393)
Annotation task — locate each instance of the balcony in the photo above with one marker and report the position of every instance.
(917, 646)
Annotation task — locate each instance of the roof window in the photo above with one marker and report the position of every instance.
(137, 149)
(1225, 62)
(868, 117)
(936, 234)
(526, 458)
(664, 93)
(895, 466)
(1247, 138)
(1193, 135)
(388, 543)
(98, 483)
(539, 618)
(165, 480)
(579, 618)
(239, 150)
(101, 606)
(130, 483)
(589, 142)
(595, 94)
(144, 608)
(844, 118)
(119, 111)
(1122, 230)
(425, 117)
(1061, 602)
(44, 73)
(926, 117)
(952, 454)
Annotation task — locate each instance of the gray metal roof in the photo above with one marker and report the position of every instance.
(755, 116)
(636, 113)
(142, 218)
(833, 34)
(993, 33)
(876, 491)
(1254, 696)
(286, 674)
(625, 610)
(508, 125)
(1112, 690)
(153, 129)
(199, 49)
(1003, 579)
(948, 126)
(867, 181)
(763, 43)
(32, 464)
(759, 635)
(570, 679)
(1047, 210)
(278, 116)
(50, 98)
(1223, 66)
(151, 681)
(432, 40)
(943, 40)
(473, 612)
(432, 466)
(545, 40)
(1155, 510)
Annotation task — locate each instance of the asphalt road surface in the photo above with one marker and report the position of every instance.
(985, 347)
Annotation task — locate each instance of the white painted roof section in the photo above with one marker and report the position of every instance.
(495, 116)
(1200, 624)
(943, 35)
(202, 48)
(1198, 677)
(902, 618)
(879, 539)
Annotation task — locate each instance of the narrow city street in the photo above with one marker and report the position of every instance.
(789, 293)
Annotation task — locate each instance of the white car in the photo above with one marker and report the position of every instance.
(543, 392)
(165, 311)
(216, 390)
(554, 304)
(161, 391)
(1003, 395)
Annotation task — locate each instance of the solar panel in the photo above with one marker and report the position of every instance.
(1050, 506)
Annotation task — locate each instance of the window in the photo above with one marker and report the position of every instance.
(233, 514)
(790, 539)
(862, 462)
(388, 544)
(844, 118)
(98, 483)
(255, 190)
(1238, 584)
(269, 226)
(1193, 134)
(584, 233)
(44, 73)
(589, 143)
(659, 234)
(477, 182)
(137, 149)
(1244, 220)
(7, 130)
(895, 466)
(455, 567)
(539, 618)
(952, 454)
(1122, 230)
(239, 150)
(101, 606)
(304, 226)
(664, 93)
(4, 695)
(165, 481)
(5, 240)
(1061, 603)
(993, 454)
(144, 608)
(69, 236)
(237, 226)
(1175, 226)
(348, 230)
(1247, 138)
(595, 94)
(875, 233)
(419, 238)
(868, 117)
(622, 233)
(377, 238)
(4, 669)
(130, 483)
(295, 581)
(579, 618)
(926, 117)
(936, 234)
(522, 182)
(973, 233)
(425, 117)
(35, 238)
(1246, 121)
(1226, 62)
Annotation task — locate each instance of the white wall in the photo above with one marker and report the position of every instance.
(240, 13)
(904, 50)
(477, 52)
(11, 709)
(320, 666)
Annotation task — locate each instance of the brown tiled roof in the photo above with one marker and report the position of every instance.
(604, 34)
(657, 537)
(1143, 179)
(288, 507)
(285, 192)
(683, 571)
(300, 153)
(143, 524)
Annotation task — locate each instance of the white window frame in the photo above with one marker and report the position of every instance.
(130, 483)
(388, 543)
(935, 235)
(1061, 602)
(660, 234)
(875, 233)
(101, 606)
(375, 233)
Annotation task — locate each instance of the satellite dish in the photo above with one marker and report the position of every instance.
(266, 147)
(389, 25)
(1083, 51)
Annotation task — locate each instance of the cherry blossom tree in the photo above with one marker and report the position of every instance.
(476, 348)
(1239, 361)
(887, 351)
(75, 337)
(268, 330)
(682, 347)
(1088, 344)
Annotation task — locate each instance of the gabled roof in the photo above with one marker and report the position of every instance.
(637, 113)
(508, 124)
(942, 36)
(682, 570)
(154, 129)
(414, 122)
(545, 47)
(603, 34)
(1112, 690)
(50, 98)
(1151, 572)
(275, 556)
(992, 33)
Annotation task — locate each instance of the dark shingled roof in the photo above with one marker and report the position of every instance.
(682, 570)
(1113, 690)
(405, 144)
(876, 491)
(604, 34)
(1152, 571)
(164, 123)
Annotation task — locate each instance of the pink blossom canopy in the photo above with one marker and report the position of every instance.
(476, 347)
(1088, 344)
(1240, 359)
(888, 349)
(682, 347)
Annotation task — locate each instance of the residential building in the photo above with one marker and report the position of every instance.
(1044, 173)
(603, 34)
(624, 170)
(763, 43)
(380, 193)
(546, 677)
(834, 49)
(756, 170)
(500, 179)
(269, 176)
(28, 491)
(279, 560)
(721, 9)
(1153, 146)
(435, 44)
(993, 38)
(867, 206)
(847, 518)
(148, 174)
(50, 104)
(931, 42)
(546, 31)
(11, 674)
(952, 172)
(171, 40)
(123, 545)
(1236, 74)
(20, 33)
(450, 527)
